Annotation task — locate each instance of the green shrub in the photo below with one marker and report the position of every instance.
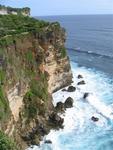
(30, 101)
(8, 40)
(63, 52)
(29, 57)
(4, 106)
(39, 89)
(38, 92)
(16, 24)
(2, 77)
(1, 52)
(6, 143)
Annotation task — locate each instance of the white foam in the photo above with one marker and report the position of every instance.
(100, 106)
(78, 118)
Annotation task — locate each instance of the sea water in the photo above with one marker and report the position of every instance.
(80, 132)
(90, 47)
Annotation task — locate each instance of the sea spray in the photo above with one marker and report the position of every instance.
(80, 132)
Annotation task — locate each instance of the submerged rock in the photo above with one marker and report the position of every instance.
(81, 82)
(68, 103)
(64, 90)
(95, 119)
(71, 89)
(80, 76)
(85, 95)
(48, 142)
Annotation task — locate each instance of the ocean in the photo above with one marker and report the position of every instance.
(90, 48)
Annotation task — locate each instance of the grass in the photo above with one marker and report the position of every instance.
(63, 52)
(38, 92)
(30, 105)
(2, 77)
(6, 143)
(16, 24)
(4, 106)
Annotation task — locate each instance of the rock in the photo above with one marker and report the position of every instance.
(35, 142)
(68, 103)
(59, 106)
(63, 90)
(80, 76)
(71, 89)
(81, 82)
(85, 95)
(42, 130)
(48, 142)
(55, 119)
(47, 54)
(26, 137)
(95, 119)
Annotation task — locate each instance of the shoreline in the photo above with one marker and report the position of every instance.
(77, 119)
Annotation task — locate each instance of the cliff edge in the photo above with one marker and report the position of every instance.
(15, 11)
(33, 64)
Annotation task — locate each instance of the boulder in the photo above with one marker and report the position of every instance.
(55, 119)
(95, 119)
(80, 76)
(60, 106)
(68, 103)
(42, 129)
(48, 142)
(27, 137)
(81, 82)
(71, 89)
(85, 95)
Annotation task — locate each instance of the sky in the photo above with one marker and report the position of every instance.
(63, 7)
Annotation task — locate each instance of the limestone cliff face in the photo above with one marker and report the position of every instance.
(15, 11)
(56, 62)
(60, 74)
(32, 66)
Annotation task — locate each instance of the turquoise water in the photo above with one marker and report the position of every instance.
(90, 48)
(80, 132)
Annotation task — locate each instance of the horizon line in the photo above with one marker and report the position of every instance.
(69, 15)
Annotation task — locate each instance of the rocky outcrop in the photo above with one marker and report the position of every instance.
(68, 103)
(56, 120)
(48, 142)
(15, 11)
(71, 89)
(85, 95)
(33, 66)
(81, 82)
(57, 62)
(61, 107)
(15, 97)
(95, 119)
(80, 76)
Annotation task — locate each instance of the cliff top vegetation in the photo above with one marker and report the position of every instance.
(15, 24)
(9, 10)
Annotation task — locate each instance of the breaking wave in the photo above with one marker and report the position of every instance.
(90, 53)
(80, 132)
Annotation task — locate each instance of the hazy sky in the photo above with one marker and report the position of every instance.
(63, 7)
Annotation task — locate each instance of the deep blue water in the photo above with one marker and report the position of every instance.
(89, 39)
(88, 32)
(90, 47)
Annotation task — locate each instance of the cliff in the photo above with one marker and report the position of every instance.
(33, 64)
(15, 11)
